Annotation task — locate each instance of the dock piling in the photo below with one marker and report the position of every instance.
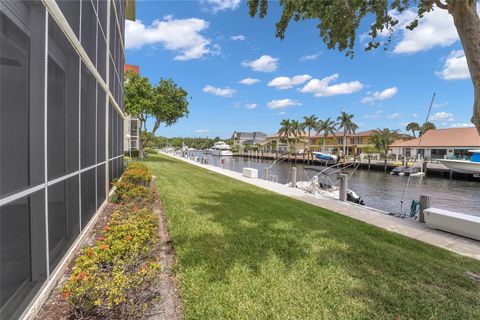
(343, 187)
(425, 203)
(267, 174)
(294, 177)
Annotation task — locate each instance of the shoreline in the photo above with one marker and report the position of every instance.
(407, 227)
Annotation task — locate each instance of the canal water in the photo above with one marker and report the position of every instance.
(378, 189)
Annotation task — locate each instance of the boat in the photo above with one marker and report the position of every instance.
(330, 191)
(407, 171)
(325, 156)
(471, 166)
(220, 148)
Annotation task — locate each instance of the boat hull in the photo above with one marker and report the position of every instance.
(462, 166)
(216, 152)
(325, 156)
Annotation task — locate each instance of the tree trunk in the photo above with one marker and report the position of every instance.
(467, 22)
(324, 142)
(344, 145)
(140, 142)
(308, 151)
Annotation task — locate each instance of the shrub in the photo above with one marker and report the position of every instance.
(151, 151)
(137, 173)
(126, 191)
(111, 279)
(132, 153)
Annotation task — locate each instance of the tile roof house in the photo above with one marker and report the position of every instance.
(440, 143)
(250, 138)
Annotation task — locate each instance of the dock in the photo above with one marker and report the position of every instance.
(433, 169)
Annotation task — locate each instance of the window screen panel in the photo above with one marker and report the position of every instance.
(88, 116)
(101, 55)
(101, 105)
(89, 30)
(101, 192)
(22, 253)
(71, 11)
(63, 218)
(88, 196)
(62, 107)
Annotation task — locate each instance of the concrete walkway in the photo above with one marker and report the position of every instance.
(407, 227)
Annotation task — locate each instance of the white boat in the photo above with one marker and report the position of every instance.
(220, 148)
(471, 166)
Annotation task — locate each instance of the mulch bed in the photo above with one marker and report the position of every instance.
(166, 306)
(56, 307)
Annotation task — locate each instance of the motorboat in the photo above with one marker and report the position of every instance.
(324, 184)
(317, 188)
(220, 148)
(471, 166)
(407, 171)
(323, 156)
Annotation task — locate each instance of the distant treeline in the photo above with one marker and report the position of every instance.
(197, 143)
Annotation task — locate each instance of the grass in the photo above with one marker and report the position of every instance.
(246, 253)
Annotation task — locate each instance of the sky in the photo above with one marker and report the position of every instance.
(241, 78)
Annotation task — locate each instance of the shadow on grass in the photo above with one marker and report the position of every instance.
(218, 223)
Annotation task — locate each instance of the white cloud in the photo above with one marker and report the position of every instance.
(415, 115)
(440, 105)
(373, 116)
(441, 116)
(379, 96)
(310, 57)
(281, 113)
(455, 67)
(462, 125)
(395, 115)
(265, 63)
(251, 106)
(283, 83)
(248, 81)
(322, 88)
(282, 103)
(202, 131)
(436, 28)
(183, 36)
(238, 38)
(221, 5)
(222, 92)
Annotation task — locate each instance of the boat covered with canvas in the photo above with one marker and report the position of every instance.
(471, 166)
(324, 156)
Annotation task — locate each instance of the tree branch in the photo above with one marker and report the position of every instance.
(441, 5)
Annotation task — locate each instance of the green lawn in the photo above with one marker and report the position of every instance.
(246, 253)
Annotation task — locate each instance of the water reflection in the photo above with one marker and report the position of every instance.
(379, 190)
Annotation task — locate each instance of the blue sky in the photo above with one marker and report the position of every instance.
(209, 46)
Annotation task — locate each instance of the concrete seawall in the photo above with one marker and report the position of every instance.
(407, 227)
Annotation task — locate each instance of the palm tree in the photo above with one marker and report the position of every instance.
(309, 123)
(285, 131)
(327, 126)
(413, 126)
(346, 122)
(297, 130)
(427, 126)
(382, 138)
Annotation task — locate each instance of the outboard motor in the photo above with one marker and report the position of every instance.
(355, 198)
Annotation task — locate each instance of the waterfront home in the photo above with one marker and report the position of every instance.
(248, 138)
(355, 142)
(277, 143)
(451, 143)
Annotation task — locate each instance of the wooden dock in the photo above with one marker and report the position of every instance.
(432, 169)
